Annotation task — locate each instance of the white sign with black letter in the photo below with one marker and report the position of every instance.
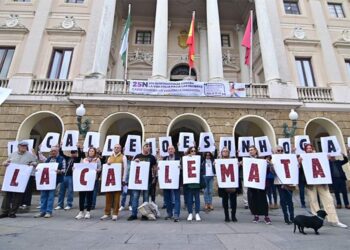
(92, 139)
(164, 143)
(186, 140)
(70, 140)
(111, 141)
(330, 146)
(243, 145)
(228, 142)
(133, 145)
(51, 139)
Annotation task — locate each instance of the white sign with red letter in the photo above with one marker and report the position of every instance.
(191, 169)
(254, 172)
(46, 175)
(16, 178)
(84, 176)
(227, 173)
(316, 168)
(138, 176)
(111, 177)
(168, 174)
(286, 168)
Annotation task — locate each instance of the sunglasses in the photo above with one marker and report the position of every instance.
(193, 150)
(280, 151)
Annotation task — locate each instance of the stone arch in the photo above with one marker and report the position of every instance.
(122, 124)
(181, 71)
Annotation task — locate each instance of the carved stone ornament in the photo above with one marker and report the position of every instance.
(13, 25)
(68, 22)
(140, 57)
(299, 32)
(182, 39)
(12, 21)
(346, 35)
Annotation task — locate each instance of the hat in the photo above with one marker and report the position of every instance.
(23, 143)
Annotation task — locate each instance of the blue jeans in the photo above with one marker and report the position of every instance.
(208, 191)
(47, 198)
(135, 200)
(172, 208)
(67, 184)
(286, 201)
(124, 195)
(193, 193)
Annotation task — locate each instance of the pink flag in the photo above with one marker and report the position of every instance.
(246, 42)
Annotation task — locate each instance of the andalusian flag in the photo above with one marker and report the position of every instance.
(190, 43)
(125, 38)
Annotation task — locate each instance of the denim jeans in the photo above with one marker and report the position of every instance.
(135, 199)
(208, 191)
(173, 209)
(47, 198)
(94, 196)
(286, 202)
(193, 193)
(66, 185)
(124, 195)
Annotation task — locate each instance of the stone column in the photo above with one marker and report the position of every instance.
(243, 66)
(160, 44)
(267, 44)
(21, 81)
(203, 51)
(216, 72)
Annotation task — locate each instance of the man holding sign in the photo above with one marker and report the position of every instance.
(12, 200)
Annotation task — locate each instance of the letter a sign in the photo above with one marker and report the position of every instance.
(111, 178)
(316, 168)
(254, 173)
(45, 176)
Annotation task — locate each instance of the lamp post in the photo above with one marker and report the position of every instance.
(289, 132)
(83, 126)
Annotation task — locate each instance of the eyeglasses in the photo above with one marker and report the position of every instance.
(280, 151)
(193, 150)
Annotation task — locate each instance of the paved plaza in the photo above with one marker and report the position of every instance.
(62, 231)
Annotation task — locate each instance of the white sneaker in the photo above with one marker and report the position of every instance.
(339, 224)
(104, 217)
(38, 207)
(130, 208)
(190, 217)
(87, 215)
(58, 208)
(114, 217)
(67, 208)
(198, 218)
(47, 215)
(80, 215)
(121, 208)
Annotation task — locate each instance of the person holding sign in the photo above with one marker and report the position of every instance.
(257, 199)
(47, 197)
(339, 180)
(12, 200)
(208, 165)
(321, 190)
(228, 194)
(113, 198)
(92, 157)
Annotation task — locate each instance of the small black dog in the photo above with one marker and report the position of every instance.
(315, 222)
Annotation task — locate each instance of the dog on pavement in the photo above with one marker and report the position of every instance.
(314, 222)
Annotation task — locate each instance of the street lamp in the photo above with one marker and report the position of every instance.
(289, 132)
(83, 126)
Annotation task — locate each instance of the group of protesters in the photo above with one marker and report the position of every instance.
(257, 199)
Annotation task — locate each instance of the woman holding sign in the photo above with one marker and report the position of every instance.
(92, 157)
(208, 165)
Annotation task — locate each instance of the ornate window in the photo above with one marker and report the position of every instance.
(291, 7)
(305, 72)
(6, 55)
(225, 40)
(336, 10)
(60, 64)
(143, 37)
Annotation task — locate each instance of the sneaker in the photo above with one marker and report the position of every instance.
(23, 206)
(176, 220)
(339, 224)
(38, 207)
(114, 217)
(58, 208)
(190, 217)
(267, 220)
(132, 217)
(87, 215)
(80, 215)
(256, 219)
(105, 217)
(39, 215)
(121, 208)
(47, 215)
(130, 208)
(234, 219)
(67, 208)
(198, 218)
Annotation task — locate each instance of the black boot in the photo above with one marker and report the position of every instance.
(227, 217)
(233, 216)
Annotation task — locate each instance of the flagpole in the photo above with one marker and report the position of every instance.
(189, 66)
(251, 49)
(126, 58)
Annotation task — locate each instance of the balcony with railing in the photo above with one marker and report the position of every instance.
(51, 87)
(4, 83)
(313, 94)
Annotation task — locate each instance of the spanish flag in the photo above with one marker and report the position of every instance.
(190, 43)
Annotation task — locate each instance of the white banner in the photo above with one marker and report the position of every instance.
(179, 88)
(164, 143)
(12, 147)
(111, 177)
(254, 173)
(46, 176)
(138, 175)
(16, 178)
(111, 141)
(206, 142)
(132, 145)
(286, 168)
(84, 176)
(91, 139)
(263, 145)
(286, 144)
(169, 174)
(227, 173)
(51, 139)
(243, 145)
(4, 93)
(70, 140)
(228, 142)
(299, 142)
(191, 169)
(152, 145)
(330, 146)
(186, 140)
(316, 168)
